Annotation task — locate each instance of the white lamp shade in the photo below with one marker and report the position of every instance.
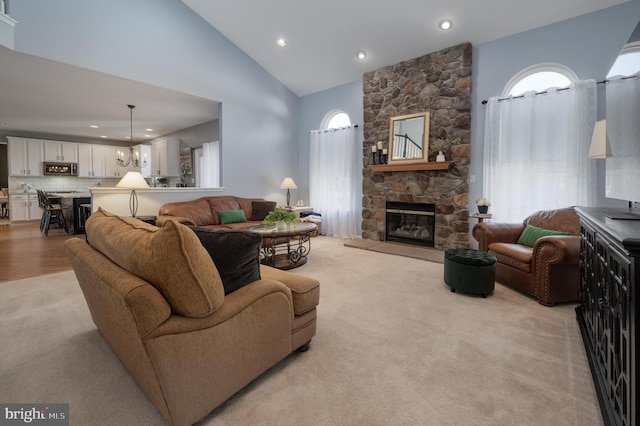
(288, 183)
(132, 180)
(600, 147)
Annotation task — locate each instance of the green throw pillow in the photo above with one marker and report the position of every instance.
(232, 216)
(531, 234)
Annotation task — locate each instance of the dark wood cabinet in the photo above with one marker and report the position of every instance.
(608, 311)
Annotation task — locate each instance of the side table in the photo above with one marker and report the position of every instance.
(480, 216)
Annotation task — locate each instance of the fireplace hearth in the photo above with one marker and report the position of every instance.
(410, 223)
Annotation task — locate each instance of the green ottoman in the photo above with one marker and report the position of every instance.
(471, 271)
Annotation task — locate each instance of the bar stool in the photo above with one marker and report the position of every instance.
(49, 212)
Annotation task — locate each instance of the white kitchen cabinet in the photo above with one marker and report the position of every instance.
(25, 156)
(92, 160)
(66, 152)
(24, 207)
(165, 157)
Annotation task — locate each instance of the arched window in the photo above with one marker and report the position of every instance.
(628, 62)
(335, 119)
(539, 78)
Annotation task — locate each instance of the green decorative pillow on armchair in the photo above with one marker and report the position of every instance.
(531, 234)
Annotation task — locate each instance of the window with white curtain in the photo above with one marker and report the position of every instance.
(536, 151)
(335, 161)
(207, 161)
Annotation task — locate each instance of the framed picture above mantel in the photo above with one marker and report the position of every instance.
(409, 138)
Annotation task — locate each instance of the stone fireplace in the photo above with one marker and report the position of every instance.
(440, 83)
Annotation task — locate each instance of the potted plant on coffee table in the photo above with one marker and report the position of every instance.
(280, 218)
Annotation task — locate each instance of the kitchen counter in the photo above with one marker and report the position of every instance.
(69, 194)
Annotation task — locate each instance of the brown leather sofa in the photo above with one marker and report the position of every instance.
(548, 271)
(204, 212)
(158, 299)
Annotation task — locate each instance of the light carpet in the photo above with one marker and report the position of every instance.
(394, 347)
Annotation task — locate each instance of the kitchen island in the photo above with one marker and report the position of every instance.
(74, 212)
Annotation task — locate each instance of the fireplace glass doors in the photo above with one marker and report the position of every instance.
(410, 223)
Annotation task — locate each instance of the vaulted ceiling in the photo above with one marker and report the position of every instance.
(322, 37)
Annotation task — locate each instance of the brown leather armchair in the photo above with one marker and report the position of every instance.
(548, 271)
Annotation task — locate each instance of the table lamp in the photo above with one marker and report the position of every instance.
(288, 184)
(133, 180)
(600, 147)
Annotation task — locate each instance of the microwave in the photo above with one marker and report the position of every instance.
(60, 169)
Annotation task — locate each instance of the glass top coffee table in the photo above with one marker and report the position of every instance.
(285, 246)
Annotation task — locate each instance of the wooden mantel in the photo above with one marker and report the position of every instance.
(432, 165)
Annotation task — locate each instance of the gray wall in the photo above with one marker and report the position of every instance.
(164, 43)
(313, 108)
(588, 44)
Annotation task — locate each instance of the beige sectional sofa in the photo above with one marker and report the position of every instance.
(159, 300)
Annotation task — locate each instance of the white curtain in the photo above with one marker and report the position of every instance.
(335, 159)
(623, 129)
(211, 165)
(536, 151)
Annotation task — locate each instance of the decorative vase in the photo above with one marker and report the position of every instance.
(440, 157)
(483, 209)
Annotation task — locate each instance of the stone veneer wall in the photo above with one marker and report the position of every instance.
(439, 82)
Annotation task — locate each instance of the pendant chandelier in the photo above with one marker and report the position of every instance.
(133, 156)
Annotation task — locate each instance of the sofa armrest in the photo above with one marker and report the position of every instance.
(161, 220)
(556, 250)
(487, 232)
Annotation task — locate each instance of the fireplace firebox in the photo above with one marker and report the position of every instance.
(411, 223)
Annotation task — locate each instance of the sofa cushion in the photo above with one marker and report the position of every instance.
(305, 291)
(515, 255)
(531, 234)
(222, 202)
(197, 211)
(260, 209)
(170, 258)
(236, 254)
(231, 216)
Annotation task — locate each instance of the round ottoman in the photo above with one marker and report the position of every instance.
(471, 271)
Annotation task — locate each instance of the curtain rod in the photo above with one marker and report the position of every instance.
(335, 128)
(484, 102)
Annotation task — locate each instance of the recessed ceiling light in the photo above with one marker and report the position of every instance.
(147, 136)
(93, 126)
(361, 54)
(445, 25)
(103, 136)
(149, 130)
(281, 42)
(127, 137)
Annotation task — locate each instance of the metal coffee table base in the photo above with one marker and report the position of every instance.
(285, 255)
(285, 247)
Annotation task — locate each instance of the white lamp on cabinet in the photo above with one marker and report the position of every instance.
(600, 147)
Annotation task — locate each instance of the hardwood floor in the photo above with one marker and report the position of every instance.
(25, 252)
